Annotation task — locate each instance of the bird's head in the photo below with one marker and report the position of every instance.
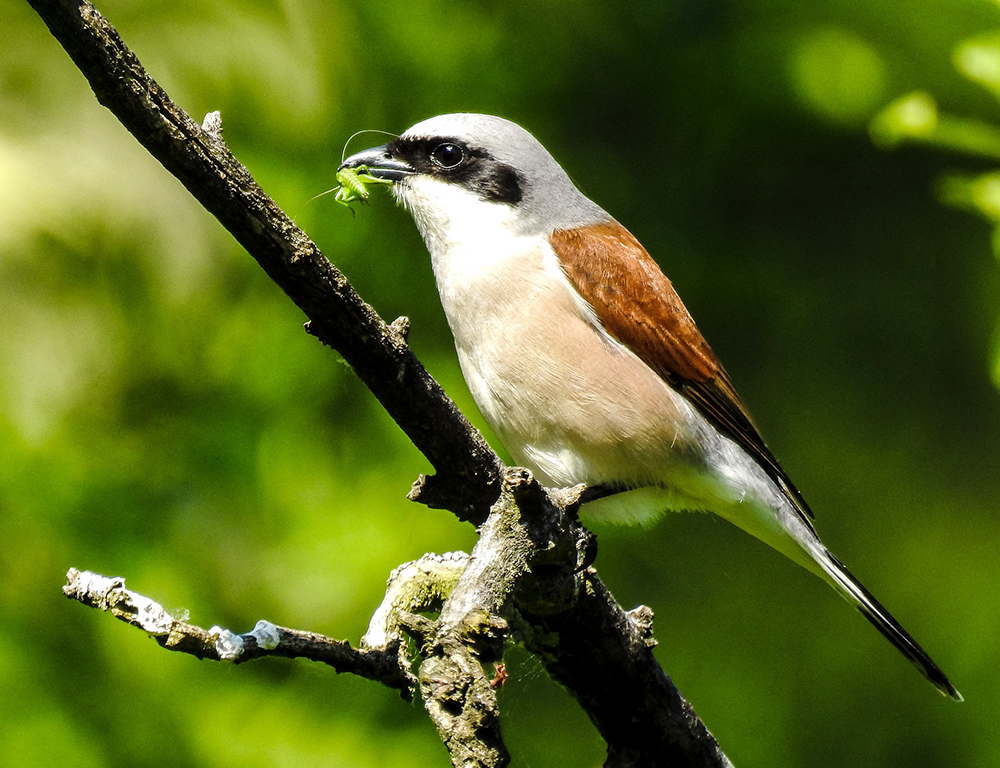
(464, 169)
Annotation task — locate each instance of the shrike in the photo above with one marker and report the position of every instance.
(580, 354)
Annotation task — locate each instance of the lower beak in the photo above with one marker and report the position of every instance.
(380, 163)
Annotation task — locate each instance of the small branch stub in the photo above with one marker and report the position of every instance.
(418, 586)
(212, 124)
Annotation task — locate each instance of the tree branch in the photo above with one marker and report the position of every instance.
(528, 570)
(605, 657)
(472, 629)
(470, 470)
(109, 594)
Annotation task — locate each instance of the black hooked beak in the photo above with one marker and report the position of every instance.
(380, 163)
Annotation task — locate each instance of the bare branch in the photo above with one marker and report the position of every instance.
(605, 657)
(109, 594)
(471, 472)
(472, 631)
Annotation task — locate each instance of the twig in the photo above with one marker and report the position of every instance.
(217, 644)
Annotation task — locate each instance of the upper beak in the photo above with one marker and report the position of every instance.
(380, 163)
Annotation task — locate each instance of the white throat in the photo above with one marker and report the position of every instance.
(468, 238)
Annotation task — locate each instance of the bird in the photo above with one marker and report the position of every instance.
(580, 354)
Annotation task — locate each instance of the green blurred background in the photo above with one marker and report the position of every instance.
(164, 417)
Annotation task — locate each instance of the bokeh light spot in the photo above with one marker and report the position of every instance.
(837, 76)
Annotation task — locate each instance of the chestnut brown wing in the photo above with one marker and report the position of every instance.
(638, 306)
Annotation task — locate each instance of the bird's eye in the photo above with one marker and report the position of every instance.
(447, 156)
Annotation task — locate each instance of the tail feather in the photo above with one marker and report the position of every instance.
(855, 592)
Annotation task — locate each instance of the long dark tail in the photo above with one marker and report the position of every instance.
(855, 592)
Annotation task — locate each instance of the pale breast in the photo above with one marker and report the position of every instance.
(567, 401)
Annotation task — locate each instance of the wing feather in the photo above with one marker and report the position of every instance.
(637, 305)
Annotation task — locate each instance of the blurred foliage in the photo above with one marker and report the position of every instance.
(917, 118)
(164, 417)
